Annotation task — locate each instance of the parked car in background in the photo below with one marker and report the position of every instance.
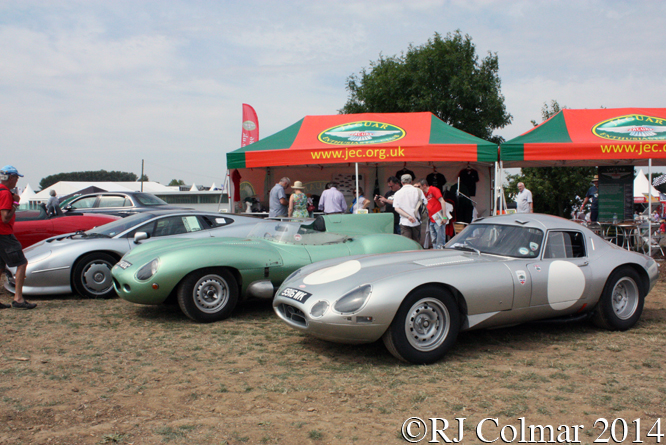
(34, 225)
(498, 271)
(81, 262)
(208, 278)
(117, 203)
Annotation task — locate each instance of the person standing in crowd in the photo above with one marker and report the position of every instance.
(298, 202)
(360, 202)
(11, 253)
(332, 200)
(277, 202)
(386, 201)
(436, 205)
(52, 205)
(524, 202)
(592, 196)
(404, 202)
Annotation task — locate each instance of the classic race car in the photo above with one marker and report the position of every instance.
(499, 271)
(81, 262)
(208, 278)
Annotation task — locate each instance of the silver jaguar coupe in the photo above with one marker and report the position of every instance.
(499, 271)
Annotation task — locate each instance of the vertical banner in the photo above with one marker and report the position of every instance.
(250, 126)
(616, 193)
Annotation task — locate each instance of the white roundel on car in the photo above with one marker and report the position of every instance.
(333, 273)
(566, 283)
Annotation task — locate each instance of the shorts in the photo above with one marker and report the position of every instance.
(11, 252)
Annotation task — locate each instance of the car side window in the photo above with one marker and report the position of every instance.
(564, 245)
(114, 201)
(217, 221)
(176, 225)
(84, 203)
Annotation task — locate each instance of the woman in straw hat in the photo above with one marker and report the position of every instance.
(298, 202)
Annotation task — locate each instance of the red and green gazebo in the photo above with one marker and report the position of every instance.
(378, 144)
(605, 136)
(368, 137)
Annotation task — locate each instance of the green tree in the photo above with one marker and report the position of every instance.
(443, 76)
(175, 182)
(143, 178)
(555, 190)
(88, 176)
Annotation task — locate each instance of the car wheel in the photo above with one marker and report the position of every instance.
(208, 295)
(621, 302)
(425, 326)
(92, 276)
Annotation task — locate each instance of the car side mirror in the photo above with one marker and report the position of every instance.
(138, 236)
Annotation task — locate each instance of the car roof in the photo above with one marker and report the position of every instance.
(533, 220)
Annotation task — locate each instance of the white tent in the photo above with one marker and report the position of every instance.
(26, 195)
(213, 187)
(642, 187)
(194, 188)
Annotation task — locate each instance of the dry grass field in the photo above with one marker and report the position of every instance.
(78, 371)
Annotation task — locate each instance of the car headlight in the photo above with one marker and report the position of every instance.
(354, 300)
(148, 270)
(319, 309)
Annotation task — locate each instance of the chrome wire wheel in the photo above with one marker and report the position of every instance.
(625, 298)
(427, 324)
(211, 293)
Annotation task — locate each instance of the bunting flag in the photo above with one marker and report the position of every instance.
(250, 126)
(659, 181)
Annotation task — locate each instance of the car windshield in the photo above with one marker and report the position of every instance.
(513, 241)
(294, 233)
(148, 200)
(114, 228)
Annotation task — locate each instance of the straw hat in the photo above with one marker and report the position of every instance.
(595, 178)
(298, 185)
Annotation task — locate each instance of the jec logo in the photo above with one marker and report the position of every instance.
(633, 127)
(361, 132)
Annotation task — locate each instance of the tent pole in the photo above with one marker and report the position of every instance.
(356, 195)
(650, 207)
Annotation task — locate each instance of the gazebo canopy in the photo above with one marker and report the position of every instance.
(363, 138)
(605, 136)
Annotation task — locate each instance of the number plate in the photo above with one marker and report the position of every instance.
(295, 294)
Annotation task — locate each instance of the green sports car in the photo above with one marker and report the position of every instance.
(209, 277)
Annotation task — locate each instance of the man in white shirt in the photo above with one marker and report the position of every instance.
(524, 202)
(404, 202)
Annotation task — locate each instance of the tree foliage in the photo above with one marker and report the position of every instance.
(443, 76)
(175, 182)
(88, 176)
(555, 190)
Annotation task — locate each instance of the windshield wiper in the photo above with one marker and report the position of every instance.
(465, 246)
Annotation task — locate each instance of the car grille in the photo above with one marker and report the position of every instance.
(293, 314)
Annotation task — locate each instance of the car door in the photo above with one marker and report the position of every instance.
(119, 204)
(83, 204)
(563, 275)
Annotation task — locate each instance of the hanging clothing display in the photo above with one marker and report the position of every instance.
(469, 177)
(405, 171)
(436, 179)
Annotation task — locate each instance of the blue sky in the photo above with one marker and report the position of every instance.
(89, 85)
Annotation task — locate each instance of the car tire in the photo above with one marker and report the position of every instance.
(425, 327)
(208, 295)
(91, 277)
(621, 302)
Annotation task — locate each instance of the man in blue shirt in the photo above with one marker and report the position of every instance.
(332, 200)
(278, 205)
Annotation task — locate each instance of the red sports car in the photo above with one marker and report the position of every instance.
(34, 225)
